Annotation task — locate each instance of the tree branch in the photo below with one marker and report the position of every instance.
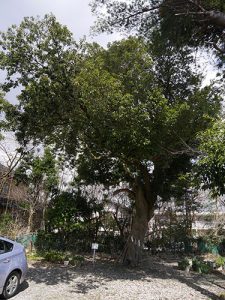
(144, 10)
(196, 4)
(217, 47)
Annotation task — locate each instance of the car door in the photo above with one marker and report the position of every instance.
(5, 260)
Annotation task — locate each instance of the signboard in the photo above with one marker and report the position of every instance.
(94, 246)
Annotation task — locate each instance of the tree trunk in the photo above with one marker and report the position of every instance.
(217, 18)
(144, 211)
(30, 220)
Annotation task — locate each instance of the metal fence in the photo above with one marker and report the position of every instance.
(27, 240)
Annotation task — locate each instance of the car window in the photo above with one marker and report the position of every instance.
(5, 247)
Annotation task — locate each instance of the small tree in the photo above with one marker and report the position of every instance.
(39, 174)
(71, 218)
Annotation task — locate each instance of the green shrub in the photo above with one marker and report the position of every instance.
(48, 241)
(6, 224)
(34, 256)
(184, 263)
(59, 257)
(220, 261)
(54, 256)
(222, 296)
(111, 244)
(200, 266)
(76, 260)
(205, 268)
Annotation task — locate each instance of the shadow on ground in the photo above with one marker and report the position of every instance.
(22, 288)
(87, 277)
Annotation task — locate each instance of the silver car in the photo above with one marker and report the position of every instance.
(13, 267)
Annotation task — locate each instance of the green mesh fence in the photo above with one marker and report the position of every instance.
(27, 240)
(204, 247)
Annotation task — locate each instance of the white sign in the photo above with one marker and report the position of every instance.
(94, 246)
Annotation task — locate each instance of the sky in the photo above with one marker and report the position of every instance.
(75, 14)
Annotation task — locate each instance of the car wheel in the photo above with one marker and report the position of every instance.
(11, 285)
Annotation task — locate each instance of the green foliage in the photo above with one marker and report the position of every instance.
(211, 163)
(117, 107)
(70, 212)
(174, 25)
(115, 15)
(6, 221)
(111, 243)
(59, 257)
(34, 256)
(76, 260)
(40, 56)
(200, 266)
(142, 120)
(196, 264)
(129, 113)
(182, 22)
(4, 106)
(47, 241)
(54, 256)
(184, 263)
(220, 261)
(209, 244)
(39, 171)
(70, 222)
(222, 296)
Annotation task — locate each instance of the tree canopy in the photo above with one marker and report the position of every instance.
(193, 22)
(40, 173)
(211, 162)
(183, 25)
(40, 56)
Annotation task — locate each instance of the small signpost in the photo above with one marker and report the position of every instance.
(94, 247)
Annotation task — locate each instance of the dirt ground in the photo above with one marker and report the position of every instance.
(156, 279)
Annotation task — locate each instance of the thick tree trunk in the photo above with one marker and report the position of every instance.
(217, 18)
(144, 211)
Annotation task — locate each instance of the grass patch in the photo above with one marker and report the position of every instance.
(54, 256)
(34, 256)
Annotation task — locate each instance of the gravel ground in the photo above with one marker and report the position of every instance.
(156, 279)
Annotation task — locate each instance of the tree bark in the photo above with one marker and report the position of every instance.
(144, 207)
(217, 18)
(30, 220)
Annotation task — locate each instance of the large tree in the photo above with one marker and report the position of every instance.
(144, 125)
(185, 24)
(126, 114)
(194, 22)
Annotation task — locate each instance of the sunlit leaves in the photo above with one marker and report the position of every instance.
(211, 164)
